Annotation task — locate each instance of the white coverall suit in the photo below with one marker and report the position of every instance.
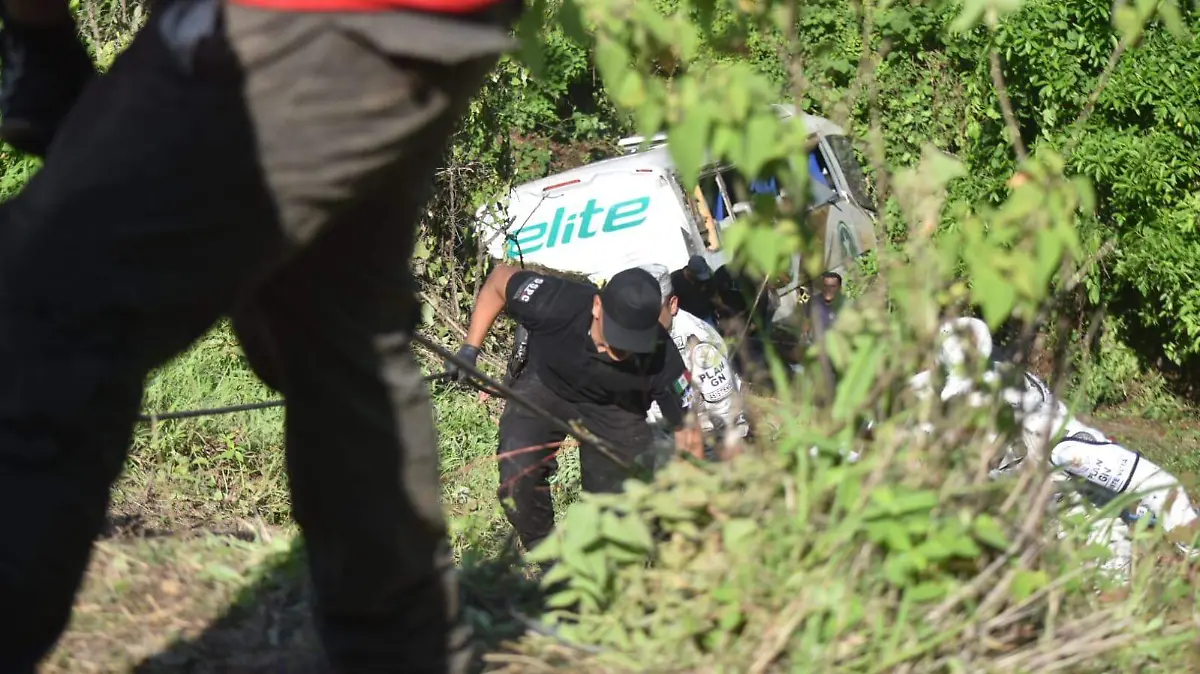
(1108, 468)
(706, 357)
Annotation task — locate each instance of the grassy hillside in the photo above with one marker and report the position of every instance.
(201, 566)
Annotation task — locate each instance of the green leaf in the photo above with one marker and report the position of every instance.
(896, 537)
(1025, 199)
(584, 514)
(571, 21)
(726, 593)
(1024, 276)
(612, 60)
(557, 574)
(852, 390)
(563, 599)
(968, 18)
(581, 525)
(877, 532)
(650, 117)
(1127, 22)
(730, 618)
(761, 146)
(963, 546)
(589, 587)
(1168, 11)
(918, 522)
(1049, 248)
(548, 550)
(667, 506)
(927, 591)
(649, 19)
(632, 92)
(914, 501)
(939, 166)
(737, 533)
(691, 497)
(1095, 552)
(577, 559)
(705, 10)
(988, 531)
(994, 293)
(688, 143)
(622, 554)
(838, 346)
(737, 98)
(629, 531)
(898, 567)
(1002, 8)
(727, 142)
(1026, 582)
(529, 38)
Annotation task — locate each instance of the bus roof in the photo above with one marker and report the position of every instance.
(657, 158)
(653, 161)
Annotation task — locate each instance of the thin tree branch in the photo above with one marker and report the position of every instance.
(1010, 119)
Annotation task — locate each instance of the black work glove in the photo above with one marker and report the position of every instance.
(43, 70)
(467, 353)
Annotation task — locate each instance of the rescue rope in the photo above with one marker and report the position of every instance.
(154, 417)
(481, 382)
(575, 430)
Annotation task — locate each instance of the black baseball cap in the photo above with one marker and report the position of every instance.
(699, 268)
(631, 302)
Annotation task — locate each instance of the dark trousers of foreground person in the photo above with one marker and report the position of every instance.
(269, 166)
(529, 447)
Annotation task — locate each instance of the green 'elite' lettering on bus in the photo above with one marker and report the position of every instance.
(567, 228)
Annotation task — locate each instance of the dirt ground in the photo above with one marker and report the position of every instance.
(177, 591)
(230, 601)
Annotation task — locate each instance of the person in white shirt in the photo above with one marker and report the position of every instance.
(1049, 432)
(706, 356)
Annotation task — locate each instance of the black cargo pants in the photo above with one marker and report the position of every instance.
(529, 446)
(273, 166)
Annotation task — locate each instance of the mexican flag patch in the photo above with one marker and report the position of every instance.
(683, 388)
(683, 383)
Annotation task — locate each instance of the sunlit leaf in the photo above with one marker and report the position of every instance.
(987, 530)
(688, 142)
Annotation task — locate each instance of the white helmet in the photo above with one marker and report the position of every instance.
(953, 347)
(663, 276)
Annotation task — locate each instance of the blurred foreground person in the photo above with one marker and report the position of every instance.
(267, 159)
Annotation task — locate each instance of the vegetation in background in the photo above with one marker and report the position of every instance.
(910, 559)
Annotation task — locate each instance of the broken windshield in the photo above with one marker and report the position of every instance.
(856, 182)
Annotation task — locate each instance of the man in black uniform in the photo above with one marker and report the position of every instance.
(598, 356)
(715, 296)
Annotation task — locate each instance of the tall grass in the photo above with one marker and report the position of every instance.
(211, 470)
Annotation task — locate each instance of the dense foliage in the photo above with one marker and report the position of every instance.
(1129, 125)
(927, 77)
(983, 122)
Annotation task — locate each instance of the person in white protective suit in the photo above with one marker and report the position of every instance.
(706, 356)
(1050, 432)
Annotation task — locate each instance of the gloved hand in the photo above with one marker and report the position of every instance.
(43, 69)
(467, 353)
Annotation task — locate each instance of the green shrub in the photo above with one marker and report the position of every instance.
(910, 559)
